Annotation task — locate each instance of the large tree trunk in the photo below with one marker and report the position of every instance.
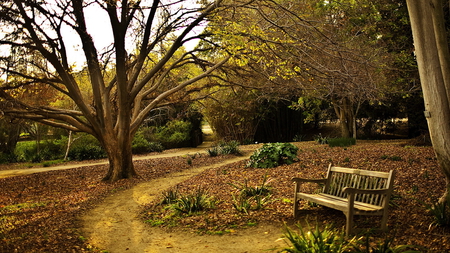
(427, 22)
(120, 158)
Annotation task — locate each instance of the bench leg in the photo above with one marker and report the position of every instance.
(349, 224)
(296, 200)
(384, 220)
(296, 204)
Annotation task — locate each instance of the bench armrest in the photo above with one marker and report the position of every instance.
(350, 190)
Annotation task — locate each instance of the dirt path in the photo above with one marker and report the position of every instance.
(115, 227)
(168, 153)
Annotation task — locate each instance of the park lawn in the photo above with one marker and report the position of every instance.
(39, 212)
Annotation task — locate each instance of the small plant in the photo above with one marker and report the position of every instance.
(225, 148)
(321, 139)
(241, 204)
(194, 202)
(251, 197)
(383, 247)
(440, 212)
(272, 155)
(341, 142)
(395, 158)
(334, 241)
(250, 191)
(212, 152)
(244, 204)
(327, 240)
(170, 196)
(298, 137)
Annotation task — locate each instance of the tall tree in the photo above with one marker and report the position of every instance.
(323, 50)
(135, 72)
(433, 59)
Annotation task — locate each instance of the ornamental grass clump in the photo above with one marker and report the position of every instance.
(225, 148)
(250, 197)
(272, 155)
(196, 201)
(329, 240)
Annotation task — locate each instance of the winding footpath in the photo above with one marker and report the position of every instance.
(114, 225)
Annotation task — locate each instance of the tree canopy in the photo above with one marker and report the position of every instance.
(134, 66)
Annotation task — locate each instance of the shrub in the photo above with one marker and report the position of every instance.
(273, 154)
(141, 145)
(174, 134)
(7, 158)
(155, 147)
(86, 147)
(341, 142)
(225, 148)
(48, 150)
(230, 147)
(87, 152)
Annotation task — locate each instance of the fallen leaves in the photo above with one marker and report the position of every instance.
(38, 212)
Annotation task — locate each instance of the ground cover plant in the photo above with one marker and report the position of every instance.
(272, 155)
(38, 213)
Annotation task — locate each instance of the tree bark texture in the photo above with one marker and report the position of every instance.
(344, 111)
(431, 47)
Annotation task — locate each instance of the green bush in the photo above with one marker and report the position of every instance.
(48, 150)
(140, 145)
(272, 155)
(341, 142)
(86, 147)
(155, 147)
(174, 134)
(87, 152)
(7, 158)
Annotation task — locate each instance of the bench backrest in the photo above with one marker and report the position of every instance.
(339, 177)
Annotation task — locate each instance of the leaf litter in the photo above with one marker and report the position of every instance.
(39, 212)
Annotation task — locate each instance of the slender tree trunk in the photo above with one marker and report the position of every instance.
(432, 52)
(344, 111)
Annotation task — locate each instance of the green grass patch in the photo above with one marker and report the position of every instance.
(341, 142)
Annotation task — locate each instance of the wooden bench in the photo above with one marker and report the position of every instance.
(352, 191)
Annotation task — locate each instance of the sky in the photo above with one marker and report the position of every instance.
(99, 28)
